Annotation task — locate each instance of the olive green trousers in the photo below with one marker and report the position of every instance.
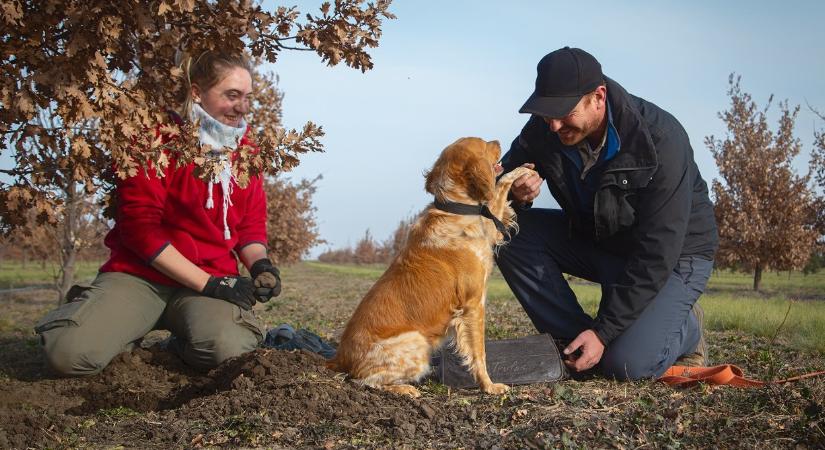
(81, 337)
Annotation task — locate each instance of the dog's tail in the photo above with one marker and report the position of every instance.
(351, 348)
(334, 364)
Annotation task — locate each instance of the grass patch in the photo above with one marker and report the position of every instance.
(372, 271)
(15, 274)
(804, 327)
(795, 284)
(118, 413)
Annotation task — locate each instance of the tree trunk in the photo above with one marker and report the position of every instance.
(757, 277)
(68, 242)
(67, 272)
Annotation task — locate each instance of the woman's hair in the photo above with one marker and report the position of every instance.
(207, 70)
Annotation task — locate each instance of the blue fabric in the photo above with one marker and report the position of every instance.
(534, 263)
(284, 337)
(584, 190)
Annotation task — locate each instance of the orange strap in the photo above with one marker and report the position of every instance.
(725, 374)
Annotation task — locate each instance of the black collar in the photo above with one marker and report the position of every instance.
(471, 210)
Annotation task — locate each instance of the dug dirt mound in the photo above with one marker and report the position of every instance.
(289, 393)
(297, 388)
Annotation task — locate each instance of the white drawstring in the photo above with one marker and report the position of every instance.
(225, 179)
(209, 202)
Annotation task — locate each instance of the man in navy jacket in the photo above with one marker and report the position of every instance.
(635, 217)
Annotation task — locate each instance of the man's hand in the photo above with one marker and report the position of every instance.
(527, 187)
(591, 351)
(237, 290)
(266, 278)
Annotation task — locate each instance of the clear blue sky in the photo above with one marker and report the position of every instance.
(447, 69)
(463, 68)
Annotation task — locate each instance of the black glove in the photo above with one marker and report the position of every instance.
(266, 278)
(237, 290)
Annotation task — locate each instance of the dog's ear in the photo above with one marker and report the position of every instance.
(433, 178)
(480, 179)
(442, 169)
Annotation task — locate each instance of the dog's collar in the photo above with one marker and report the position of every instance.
(470, 210)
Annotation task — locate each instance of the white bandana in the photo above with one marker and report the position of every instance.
(223, 139)
(214, 133)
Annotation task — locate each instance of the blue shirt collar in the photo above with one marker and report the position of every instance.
(613, 143)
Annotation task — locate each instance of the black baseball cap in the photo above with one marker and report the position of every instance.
(564, 77)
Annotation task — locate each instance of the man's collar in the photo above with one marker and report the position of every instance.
(585, 146)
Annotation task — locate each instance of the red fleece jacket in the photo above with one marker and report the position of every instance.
(154, 212)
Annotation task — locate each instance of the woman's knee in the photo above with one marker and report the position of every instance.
(206, 354)
(69, 354)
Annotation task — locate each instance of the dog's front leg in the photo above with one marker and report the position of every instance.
(469, 335)
(499, 201)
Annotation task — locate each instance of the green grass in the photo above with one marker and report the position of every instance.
(366, 271)
(14, 274)
(804, 327)
(793, 283)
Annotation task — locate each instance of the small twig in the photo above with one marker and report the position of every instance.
(772, 365)
(787, 313)
(814, 110)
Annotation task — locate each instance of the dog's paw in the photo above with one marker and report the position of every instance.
(403, 389)
(514, 174)
(495, 388)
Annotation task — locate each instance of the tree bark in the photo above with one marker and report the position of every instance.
(757, 277)
(68, 241)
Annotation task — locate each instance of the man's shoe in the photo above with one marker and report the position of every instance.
(699, 356)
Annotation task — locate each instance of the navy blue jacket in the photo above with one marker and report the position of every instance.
(651, 205)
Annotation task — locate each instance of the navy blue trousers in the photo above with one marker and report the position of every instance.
(533, 264)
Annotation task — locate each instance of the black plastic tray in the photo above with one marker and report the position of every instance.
(526, 360)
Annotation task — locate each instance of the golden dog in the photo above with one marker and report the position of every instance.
(436, 286)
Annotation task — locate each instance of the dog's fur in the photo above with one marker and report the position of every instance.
(436, 286)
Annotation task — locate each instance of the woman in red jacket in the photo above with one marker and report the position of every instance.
(172, 264)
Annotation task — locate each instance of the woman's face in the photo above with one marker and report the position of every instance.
(228, 100)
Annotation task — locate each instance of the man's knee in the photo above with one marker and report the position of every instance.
(626, 365)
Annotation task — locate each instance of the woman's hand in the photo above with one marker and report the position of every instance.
(266, 278)
(237, 290)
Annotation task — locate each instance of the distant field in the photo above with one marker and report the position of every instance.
(729, 302)
(14, 274)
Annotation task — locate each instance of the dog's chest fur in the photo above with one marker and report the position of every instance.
(474, 234)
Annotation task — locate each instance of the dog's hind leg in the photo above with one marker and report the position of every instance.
(392, 363)
(469, 344)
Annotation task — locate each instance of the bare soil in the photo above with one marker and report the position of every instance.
(277, 399)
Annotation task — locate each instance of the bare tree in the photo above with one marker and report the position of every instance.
(291, 225)
(766, 212)
(817, 168)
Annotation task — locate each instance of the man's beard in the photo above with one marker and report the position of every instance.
(571, 136)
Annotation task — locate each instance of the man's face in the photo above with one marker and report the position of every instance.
(582, 121)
